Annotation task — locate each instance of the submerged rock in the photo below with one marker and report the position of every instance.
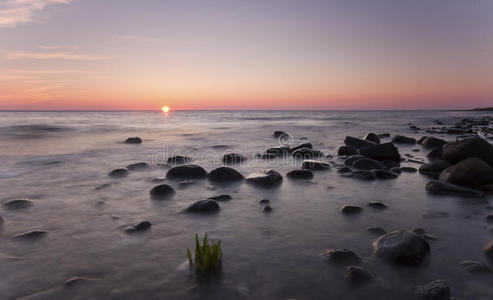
(186, 172)
(277, 134)
(118, 173)
(351, 209)
(470, 147)
(138, 227)
(344, 170)
(264, 201)
(367, 164)
(267, 209)
(234, 158)
(18, 203)
(432, 142)
(203, 206)
(178, 160)
(299, 174)
(133, 140)
(302, 145)
(372, 137)
(138, 166)
(30, 235)
(434, 154)
(443, 188)
(377, 205)
(342, 256)
(382, 174)
(434, 169)
(402, 247)
(347, 151)
(279, 151)
(357, 143)
(376, 230)
(225, 174)
(434, 290)
(162, 191)
(364, 175)
(221, 198)
(265, 178)
(310, 164)
(385, 151)
(357, 276)
(470, 172)
(400, 139)
(474, 267)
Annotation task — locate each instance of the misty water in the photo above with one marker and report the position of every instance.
(59, 159)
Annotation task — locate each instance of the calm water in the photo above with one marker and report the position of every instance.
(57, 159)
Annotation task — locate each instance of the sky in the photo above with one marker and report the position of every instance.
(248, 54)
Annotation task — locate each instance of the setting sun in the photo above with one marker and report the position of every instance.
(165, 109)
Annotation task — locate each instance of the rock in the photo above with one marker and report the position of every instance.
(277, 134)
(342, 256)
(409, 169)
(302, 145)
(419, 231)
(474, 267)
(434, 168)
(434, 154)
(138, 166)
(268, 156)
(396, 170)
(434, 290)
(471, 172)
(138, 227)
(443, 188)
(384, 135)
(186, 172)
(158, 179)
(470, 147)
(264, 201)
(385, 151)
(310, 164)
(344, 170)
(488, 250)
(133, 140)
(372, 137)
(364, 175)
(307, 153)
(357, 143)
(357, 276)
(18, 204)
(267, 209)
(489, 218)
(118, 173)
(402, 247)
(432, 142)
(279, 151)
(351, 209)
(203, 206)
(162, 191)
(234, 158)
(377, 205)
(30, 235)
(376, 230)
(350, 160)
(178, 160)
(225, 174)
(400, 139)
(265, 178)
(347, 151)
(221, 198)
(367, 164)
(299, 174)
(382, 174)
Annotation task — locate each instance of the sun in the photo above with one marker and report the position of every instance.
(165, 109)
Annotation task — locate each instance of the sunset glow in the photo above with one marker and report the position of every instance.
(165, 109)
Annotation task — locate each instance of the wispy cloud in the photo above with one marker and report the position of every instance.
(14, 12)
(52, 55)
(28, 71)
(136, 38)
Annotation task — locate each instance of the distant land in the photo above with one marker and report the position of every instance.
(483, 109)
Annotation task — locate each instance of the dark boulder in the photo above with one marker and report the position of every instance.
(302, 145)
(265, 178)
(162, 191)
(471, 147)
(434, 290)
(471, 172)
(203, 206)
(18, 203)
(267, 209)
(138, 166)
(342, 256)
(118, 173)
(221, 198)
(396, 170)
(350, 160)
(351, 209)
(233, 158)
(372, 137)
(344, 170)
(133, 140)
(138, 227)
(279, 151)
(385, 151)
(400, 139)
(186, 172)
(278, 134)
(225, 174)
(358, 143)
(357, 276)
(434, 169)
(377, 205)
(409, 169)
(367, 164)
(434, 154)
(402, 247)
(264, 201)
(432, 142)
(307, 153)
(347, 151)
(443, 188)
(474, 267)
(299, 174)
(364, 175)
(310, 164)
(178, 160)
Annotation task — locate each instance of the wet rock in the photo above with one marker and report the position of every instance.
(158, 179)
(118, 173)
(133, 140)
(396, 170)
(470, 147)
(376, 230)
(382, 174)
(434, 154)
(351, 209)
(489, 218)
(488, 250)
(203, 206)
(344, 170)
(364, 175)
(234, 158)
(350, 160)
(265, 178)
(419, 230)
(310, 164)
(377, 205)
(299, 174)
(409, 169)
(367, 164)
(471, 172)
(264, 201)
(267, 209)
(302, 145)
(178, 160)
(385, 151)
(342, 256)
(347, 151)
(384, 135)
(372, 137)
(443, 188)
(400, 139)
(278, 134)
(357, 143)
(307, 153)
(138, 227)
(138, 166)
(99, 204)
(279, 151)
(357, 276)
(434, 290)
(30, 235)
(221, 198)
(433, 142)
(474, 267)
(186, 172)
(225, 174)
(402, 247)
(434, 168)
(18, 204)
(162, 191)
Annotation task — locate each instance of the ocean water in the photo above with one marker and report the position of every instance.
(58, 159)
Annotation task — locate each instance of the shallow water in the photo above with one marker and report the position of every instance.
(57, 159)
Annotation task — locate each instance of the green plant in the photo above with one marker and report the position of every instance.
(207, 257)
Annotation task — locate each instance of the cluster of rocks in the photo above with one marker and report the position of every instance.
(466, 127)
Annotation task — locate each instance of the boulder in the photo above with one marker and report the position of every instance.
(310, 164)
(342, 256)
(162, 191)
(409, 169)
(278, 134)
(133, 140)
(307, 153)
(178, 160)
(434, 290)
(358, 143)
(233, 158)
(474, 267)
(279, 151)
(347, 151)
(471, 172)
(385, 151)
(18, 203)
(225, 174)
(299, 174)
(434, 154)
(434, 169)
(357, 276)
(367, 164)
(470, 147)
(138, 166)
(350, 160)
(265, 178)
(221, 198)
(267, 209)
(302, 145)
(344, 170)
(351, 209)
(203, 206)
(138, 227)
(377, 205)
(372, 137)
(443, 188)
(118, 173)
(186, 172)
(402, 247)
(432, 142)
(400, 139)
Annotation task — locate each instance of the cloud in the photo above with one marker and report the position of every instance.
(49, 47)
(52, 55)
(14, 12)
(135, 38)
(26, 71)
